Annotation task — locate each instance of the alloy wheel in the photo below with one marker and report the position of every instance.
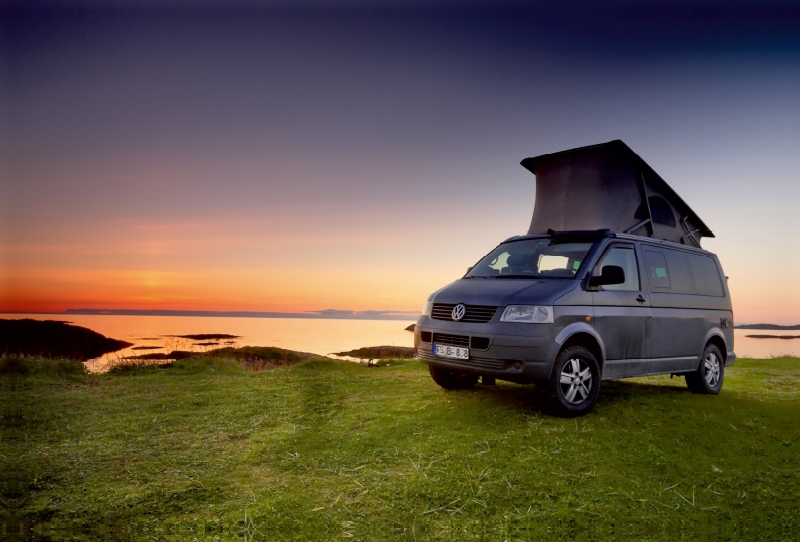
(576, 381)
(712, 369)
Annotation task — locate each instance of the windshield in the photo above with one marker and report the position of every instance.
(532, 258)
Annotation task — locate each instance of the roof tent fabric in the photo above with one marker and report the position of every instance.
(608, 186)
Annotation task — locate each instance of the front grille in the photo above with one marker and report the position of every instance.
(451, 340)
(475, 314)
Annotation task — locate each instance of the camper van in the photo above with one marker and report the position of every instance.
(609, 282)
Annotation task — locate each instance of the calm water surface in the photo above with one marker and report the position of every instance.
(317, 336)
(747, 347)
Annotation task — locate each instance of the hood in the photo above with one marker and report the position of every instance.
(502, 292)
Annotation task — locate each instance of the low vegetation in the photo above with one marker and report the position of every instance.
(380, 352)
(320, 450)
(251, 358)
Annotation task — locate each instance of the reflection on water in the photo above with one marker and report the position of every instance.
(154, 334)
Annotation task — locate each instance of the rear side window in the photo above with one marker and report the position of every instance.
(706, 275)
(683, 272)
(657, 269)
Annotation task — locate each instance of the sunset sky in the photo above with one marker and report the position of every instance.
(284, 158)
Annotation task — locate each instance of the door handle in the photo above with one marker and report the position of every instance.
(640, 298)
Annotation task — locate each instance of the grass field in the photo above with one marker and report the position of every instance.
(331, 450)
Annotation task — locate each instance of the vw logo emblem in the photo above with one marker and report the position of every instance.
(458, 312)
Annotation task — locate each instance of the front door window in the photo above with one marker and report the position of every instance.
(620, 314)
(625, 258)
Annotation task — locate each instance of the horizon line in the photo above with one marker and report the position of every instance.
(326, 314)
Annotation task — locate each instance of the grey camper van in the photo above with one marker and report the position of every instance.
(609, 282)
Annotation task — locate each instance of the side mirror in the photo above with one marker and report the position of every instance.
(469, 269)
(611, 274)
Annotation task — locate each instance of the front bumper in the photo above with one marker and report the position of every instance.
(521, 353)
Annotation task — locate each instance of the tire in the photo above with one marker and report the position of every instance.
(452, 380)
(707, 379)
(575, 383)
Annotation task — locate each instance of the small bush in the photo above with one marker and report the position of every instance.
(13, 366)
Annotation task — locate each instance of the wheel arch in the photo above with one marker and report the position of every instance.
(582, 336)
(716, 338)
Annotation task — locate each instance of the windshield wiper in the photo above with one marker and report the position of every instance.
(514, 277)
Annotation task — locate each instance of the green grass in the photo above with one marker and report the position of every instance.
(325, 450)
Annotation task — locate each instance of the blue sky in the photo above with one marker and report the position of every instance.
(252, 156)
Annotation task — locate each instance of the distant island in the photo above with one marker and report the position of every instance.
(785, 337)
(206, 336)
(338, 314)
(54, 339)
(771, 327)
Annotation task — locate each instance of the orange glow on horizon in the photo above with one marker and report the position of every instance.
(279, 290)
(291, 265)
(37, 290)
(273, 264)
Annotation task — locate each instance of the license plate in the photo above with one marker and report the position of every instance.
(451, 351)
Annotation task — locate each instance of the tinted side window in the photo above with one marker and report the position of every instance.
(706, 276)
(657, 270)
(680, 274)
(683, 272)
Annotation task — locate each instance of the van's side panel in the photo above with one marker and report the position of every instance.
(727, 327)
(620, 317)
(681, 322)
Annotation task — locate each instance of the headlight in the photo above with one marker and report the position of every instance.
(528, 314)
(426, 310)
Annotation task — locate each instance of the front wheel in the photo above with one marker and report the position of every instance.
(575, 383)
(452, 380)
(707, 379)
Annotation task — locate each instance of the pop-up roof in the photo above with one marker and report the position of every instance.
(608, 186)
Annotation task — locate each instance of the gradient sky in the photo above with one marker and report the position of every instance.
(270, 157)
